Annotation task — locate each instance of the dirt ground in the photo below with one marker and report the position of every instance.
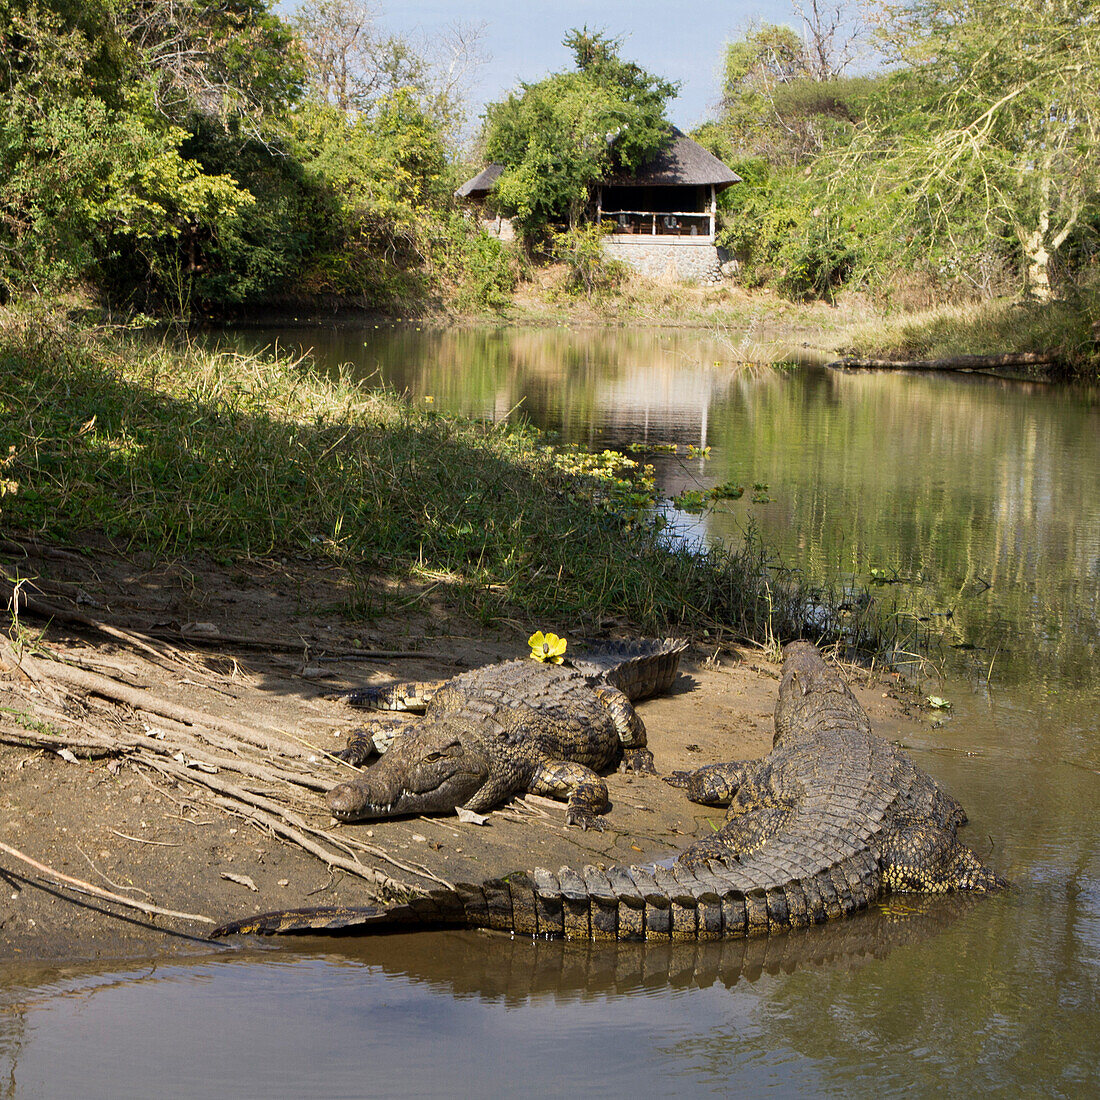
(164, 731)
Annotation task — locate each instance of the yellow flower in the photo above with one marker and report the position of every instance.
(547, 647)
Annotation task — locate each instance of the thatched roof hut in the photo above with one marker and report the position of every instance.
(478, 188)
(682, 163)
(673, 195)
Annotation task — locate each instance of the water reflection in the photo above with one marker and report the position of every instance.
(411, 1014)
(972, 503)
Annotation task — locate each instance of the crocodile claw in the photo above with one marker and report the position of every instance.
(585, 819)
(639, 761)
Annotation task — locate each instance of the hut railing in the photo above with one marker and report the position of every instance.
(663, 223)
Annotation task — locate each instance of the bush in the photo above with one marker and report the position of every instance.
(479, 271)
(773, 223)
(591, 271)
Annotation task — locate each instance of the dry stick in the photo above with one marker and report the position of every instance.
(91, 863)
(11, 659)
(10, 546)
(95, 890)
(274, 816)
(32, 739)
(955, 362)
(45, 609)
(230, 764)
(144, 840)
(164, 747)
(140, 699)
(350, 844)
(353, 866)
(15, 733)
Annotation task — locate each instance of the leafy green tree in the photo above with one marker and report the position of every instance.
(999, 139)
(226, 59)
(88, 169)
(786, 233)
(354, 64)
(557, 137)
(782, 101)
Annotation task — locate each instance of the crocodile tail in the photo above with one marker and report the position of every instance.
(438, 908)
(638, 668)
(411, 695)
(704, 901)
(708, 900)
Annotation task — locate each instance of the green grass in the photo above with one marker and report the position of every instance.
(987, 328)
(180, 450)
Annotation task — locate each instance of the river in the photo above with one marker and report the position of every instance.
(973, 504)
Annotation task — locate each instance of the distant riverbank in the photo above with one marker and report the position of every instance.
(758, 324)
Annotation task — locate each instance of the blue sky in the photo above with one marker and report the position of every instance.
(679, 41)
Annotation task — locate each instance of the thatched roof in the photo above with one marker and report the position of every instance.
(684, 163)
(480, 186)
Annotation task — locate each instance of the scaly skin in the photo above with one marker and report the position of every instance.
(832, 819)
(518, 726)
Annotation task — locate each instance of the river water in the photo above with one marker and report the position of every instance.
(971, 503)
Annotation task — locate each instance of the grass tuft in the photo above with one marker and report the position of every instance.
(988, 328)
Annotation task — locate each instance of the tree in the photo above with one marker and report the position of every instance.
(783, 95)
(233, 59)
(558, 137)
(832, 37)
(1003, 123)
(89, 169)
(354, 64)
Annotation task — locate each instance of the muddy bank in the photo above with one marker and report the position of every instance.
(193, 700)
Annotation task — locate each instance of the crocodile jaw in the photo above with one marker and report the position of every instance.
(427, 770)
(362, 800)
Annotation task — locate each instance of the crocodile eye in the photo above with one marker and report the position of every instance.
(433, 756)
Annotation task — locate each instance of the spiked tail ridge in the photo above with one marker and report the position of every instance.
(706, 901)
(639, 669)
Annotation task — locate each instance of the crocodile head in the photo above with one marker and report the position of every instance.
(428, 769)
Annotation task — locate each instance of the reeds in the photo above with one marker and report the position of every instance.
(988, 328)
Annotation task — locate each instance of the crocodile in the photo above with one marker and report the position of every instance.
(829, 822)
(517, 726)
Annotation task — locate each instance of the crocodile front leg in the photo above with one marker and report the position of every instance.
(630, 728)
(714, 784)
(375, 737)
(585, 791)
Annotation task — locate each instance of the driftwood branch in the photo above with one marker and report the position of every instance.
(23, 602)
(955, 362)
(284, 822)
(140, 699)
(241, 765)
(88, 888)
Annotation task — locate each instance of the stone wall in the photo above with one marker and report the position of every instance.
(677, 259)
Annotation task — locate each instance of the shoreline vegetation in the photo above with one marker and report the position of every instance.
(1062, 337)
(156, 444)
(199, 162)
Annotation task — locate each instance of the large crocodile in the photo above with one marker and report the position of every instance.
(828, 822)
(517, 726)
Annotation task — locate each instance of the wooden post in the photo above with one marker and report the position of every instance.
(713, 210)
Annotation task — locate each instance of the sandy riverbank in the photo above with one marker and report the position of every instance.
(248, 652)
